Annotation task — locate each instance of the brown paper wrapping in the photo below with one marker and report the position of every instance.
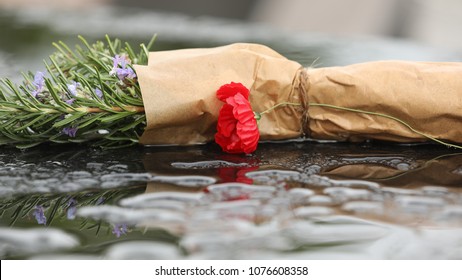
(179, 91)
(427, 96)
(179, 95)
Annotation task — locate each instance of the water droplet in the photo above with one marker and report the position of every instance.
(400, 191)
(452, 213)
(73, 175)
(87, 183)
(32, 241)
(299, 195)
(403, 166)
(154, 200)
(312, 211)
(103, 131)
(276, 174)
(186, 181)
(320, 200)
(69, 187)
(312, 169)
(305, 233)
(143, 250)
(300, 192)
(119, 215)
(366, 207)
(354, 183)
(95, 166)
(435, 191)
(344, 193)
(115, 180)
(419, 204)
(118, 167)
(238, 191)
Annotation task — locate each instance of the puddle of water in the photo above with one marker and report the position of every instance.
(179, 203)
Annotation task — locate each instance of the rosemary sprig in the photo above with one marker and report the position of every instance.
(87, 95)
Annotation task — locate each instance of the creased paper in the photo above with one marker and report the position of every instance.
(425, 95)
(179, 91)
(179, 95)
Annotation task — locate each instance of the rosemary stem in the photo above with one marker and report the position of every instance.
(280, 105)
(136, 109)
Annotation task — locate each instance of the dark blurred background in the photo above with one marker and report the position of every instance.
(322, 33)
(427, 21)
(235, 9)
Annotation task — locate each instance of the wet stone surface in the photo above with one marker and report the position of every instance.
(292, 200)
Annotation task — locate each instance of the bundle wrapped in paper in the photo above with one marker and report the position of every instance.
(385, 100)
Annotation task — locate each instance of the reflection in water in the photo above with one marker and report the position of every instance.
(39, 215)
(120, 229)
(297, 200)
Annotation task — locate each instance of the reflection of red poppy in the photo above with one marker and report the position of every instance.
(237, 127)
(233, 174)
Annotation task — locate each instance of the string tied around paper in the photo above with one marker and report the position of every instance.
(303, 87)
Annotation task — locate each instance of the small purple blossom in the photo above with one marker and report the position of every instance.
(39, 215)
(120, 69)
(116, 60)
(39, 83)
(73, 88)
(115, 63)
(71, 209)
(119, 229)
(99, 201)
(70, 101)
(125, 73)
(121, 60)
(99, 93)
(39, 80)
(70, 131)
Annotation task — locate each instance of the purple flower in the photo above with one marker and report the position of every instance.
(73, 88)
(70, 101)
(99, 93)
(99, 201)
(39, 80)
(70, 131)
(39, 83)
(125, 73)
(120, 69)
(115, 64)
(121, 60)
(39, 215)
(115, 61)
(119, 229)
(71, 209)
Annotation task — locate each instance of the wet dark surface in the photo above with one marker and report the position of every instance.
(288, 200)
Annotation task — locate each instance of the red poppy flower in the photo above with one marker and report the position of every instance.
(231, 89)
(237, 127)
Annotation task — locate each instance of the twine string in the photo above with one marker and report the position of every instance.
(303, 86)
